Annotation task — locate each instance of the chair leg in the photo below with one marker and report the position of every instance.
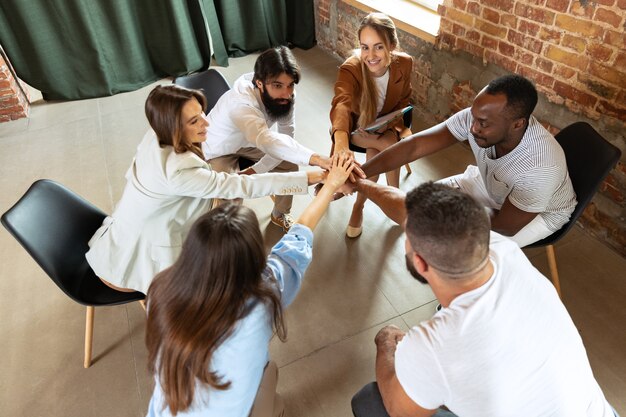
(554, 272)
(88, 335)
(408, 169)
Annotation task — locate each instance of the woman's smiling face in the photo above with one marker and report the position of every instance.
(373, 51)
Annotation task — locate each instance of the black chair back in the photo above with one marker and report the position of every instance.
(54, 225)
(212, 83)
(590, 158)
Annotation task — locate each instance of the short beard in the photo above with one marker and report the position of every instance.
(275, 109)
(413, 271)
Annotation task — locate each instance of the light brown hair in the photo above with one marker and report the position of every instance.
(164, 107)
(386, 29)
(194, 305)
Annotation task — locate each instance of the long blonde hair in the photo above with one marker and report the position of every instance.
(386, 29)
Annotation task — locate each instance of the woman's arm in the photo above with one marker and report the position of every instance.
(339, 172)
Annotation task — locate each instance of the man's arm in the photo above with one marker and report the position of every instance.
(509, 219)
(389, 199)
(409, 149)
(396, 401)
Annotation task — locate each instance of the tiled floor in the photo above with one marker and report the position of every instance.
(352, 288)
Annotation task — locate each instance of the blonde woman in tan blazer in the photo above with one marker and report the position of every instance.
(373, 82)
(169, 186)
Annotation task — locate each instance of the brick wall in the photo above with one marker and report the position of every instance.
(14, 104)
(573, 51)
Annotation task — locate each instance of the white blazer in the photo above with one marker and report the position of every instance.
(165, 193)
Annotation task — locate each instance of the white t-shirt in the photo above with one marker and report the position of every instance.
(506, 349)
(533, 175)
(381, 90)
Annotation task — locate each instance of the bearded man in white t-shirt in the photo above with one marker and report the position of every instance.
(502, 345)
(520, 172)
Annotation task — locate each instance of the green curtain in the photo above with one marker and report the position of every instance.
(247, 26)
(71, 49)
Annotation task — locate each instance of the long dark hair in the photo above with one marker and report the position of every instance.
(194, 305)
(164, 107)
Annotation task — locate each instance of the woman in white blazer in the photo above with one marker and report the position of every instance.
(169, 185)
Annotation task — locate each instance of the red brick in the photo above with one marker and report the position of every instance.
(458, 30)
(10, 110)
(611, 75)
(459, 4)
(548, 34)
(574, 94)
(609, 3)
(446, 25)
(524, 41)
(5, 119)
(612, 193)
(473, 36)
(459, 17)
(489, 42)
(580, 26)
(501, 61)
(445, 41)
(599, 88)
(528, 27)
(582, 9)
(544, 64)
(558, 5)
(491, 15)
(522, 57)
(508, 20)
(608, 16)
(504, 5)
(599, 52)
(564, 72)
(536, 2)
(613, 38)
(621, 4)
(536, 76)
(565, 57)
(473, 8)
(506, 49)
(576, 43)
(534, 13)
(620, 61)
(4, 84)
(470, 47)
(491, 29)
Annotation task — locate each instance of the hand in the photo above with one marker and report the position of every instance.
(316, 177)
(366, 135)
(342, 166)
(320, 161)
(389, 336)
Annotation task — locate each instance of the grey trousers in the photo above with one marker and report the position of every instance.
(229, 163)
(368, 403)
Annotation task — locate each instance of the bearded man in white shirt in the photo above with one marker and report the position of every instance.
(240, 126)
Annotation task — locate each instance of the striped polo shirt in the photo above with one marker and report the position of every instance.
(533, 175)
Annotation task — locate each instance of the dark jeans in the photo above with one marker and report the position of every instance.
(369, 403)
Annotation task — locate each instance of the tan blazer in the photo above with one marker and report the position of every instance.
(345, 104)
(165, 193)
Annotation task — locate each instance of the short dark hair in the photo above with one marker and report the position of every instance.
(448, 228)
(273, 62)
(521, 95)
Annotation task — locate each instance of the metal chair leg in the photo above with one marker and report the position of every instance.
(554, 272)
(88, 335)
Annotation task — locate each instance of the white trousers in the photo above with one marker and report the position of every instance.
(471, 182)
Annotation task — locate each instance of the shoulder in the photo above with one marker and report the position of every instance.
(352, 65)
(402, 59)
(540, 145)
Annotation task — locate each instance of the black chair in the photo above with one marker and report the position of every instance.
(54, 225)
(213, 85)
(590, 158)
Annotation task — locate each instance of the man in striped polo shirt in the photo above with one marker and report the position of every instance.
(520, 173)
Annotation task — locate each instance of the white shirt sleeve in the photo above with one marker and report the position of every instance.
(251, 121)
(459, 124)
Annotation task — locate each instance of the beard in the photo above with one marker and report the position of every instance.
(276, 108)
(413, 271)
